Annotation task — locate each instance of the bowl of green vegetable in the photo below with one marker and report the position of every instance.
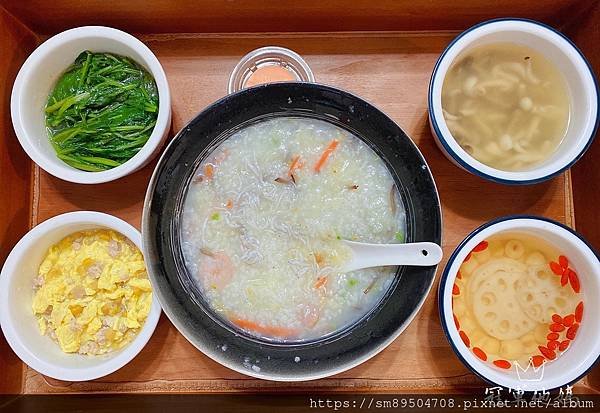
(91, 105)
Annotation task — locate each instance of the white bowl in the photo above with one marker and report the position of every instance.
(567, 58)
(584, 350)
(18, 323)
(36, 80)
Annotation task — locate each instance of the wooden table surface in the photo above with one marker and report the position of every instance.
(390, 70)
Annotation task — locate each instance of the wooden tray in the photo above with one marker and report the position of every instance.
(344, 44)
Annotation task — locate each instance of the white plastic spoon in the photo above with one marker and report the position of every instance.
(376, 255)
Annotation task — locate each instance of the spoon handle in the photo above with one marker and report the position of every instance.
(376, 255)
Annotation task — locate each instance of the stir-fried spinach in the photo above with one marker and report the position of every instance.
(101, 111)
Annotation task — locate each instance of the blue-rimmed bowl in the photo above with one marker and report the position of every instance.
(556, 48)
(583, 352)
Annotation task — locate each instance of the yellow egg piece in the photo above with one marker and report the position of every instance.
(92, 294)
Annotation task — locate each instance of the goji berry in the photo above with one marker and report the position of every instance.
(579, 312)
(568, 320)
(572, 332)
(546, 352)
(464, 338)
(556, 268)
(503, 364)
(480, 353)
(563, 261)
(481, 246)
(537, 360)
(564, 345)
(574, 280)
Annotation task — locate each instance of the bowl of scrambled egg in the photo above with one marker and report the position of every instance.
(76, 302)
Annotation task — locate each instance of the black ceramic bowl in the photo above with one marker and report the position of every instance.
(183, 303)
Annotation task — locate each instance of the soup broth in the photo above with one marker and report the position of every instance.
(263, 224)
(517, 299)
(506, 105)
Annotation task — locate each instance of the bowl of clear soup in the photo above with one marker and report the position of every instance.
(513, 101)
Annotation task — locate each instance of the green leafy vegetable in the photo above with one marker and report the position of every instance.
(352, 282)
(399, 236)
(101, 112)
(216, 216)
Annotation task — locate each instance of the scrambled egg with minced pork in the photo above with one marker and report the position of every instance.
(92, 294)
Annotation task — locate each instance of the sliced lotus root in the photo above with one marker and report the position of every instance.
(490, 345)
(540, 295)
(484, 256)
(541, 332)
(536, 258)
(458, 306)
(511, 349)
(514, 249)
(530, 344)
(497, 252)
(496, 307)
(492, 267)
(469, 266)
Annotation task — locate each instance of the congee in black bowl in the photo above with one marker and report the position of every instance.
(245, 220)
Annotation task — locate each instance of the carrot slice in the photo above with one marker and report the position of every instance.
(209, 171)
(579, 312)
(296, 164)
(320, 260)
(229, 204)
(326, 154)
(321, 281)
(273, 331)
(503, 364)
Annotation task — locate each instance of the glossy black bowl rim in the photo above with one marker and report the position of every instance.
(458, 159)
(235, 366)
(446, 273)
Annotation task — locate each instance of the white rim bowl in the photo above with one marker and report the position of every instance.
(42, 69)
(570, 62)
(18, 323)
(584, 350)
